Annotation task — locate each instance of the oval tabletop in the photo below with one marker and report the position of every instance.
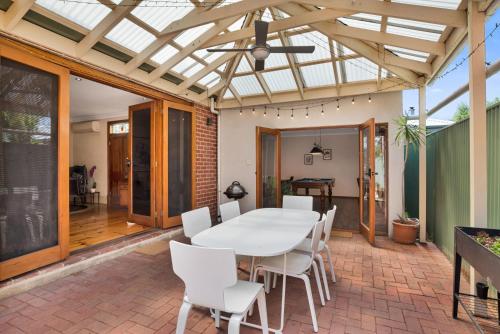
(261, 232)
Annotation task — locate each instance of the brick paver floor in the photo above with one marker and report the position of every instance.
(388, 289)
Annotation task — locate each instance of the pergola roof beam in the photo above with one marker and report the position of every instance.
(15, 13)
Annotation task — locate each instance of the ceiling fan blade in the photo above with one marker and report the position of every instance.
(227, 50)
(292, 49)
(261, 28)
(259, 65)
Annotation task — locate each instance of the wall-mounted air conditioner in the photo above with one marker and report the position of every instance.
(86, 127)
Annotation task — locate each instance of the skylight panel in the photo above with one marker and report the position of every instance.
(131, 36)
(88, 14)
(194, 69)
(280, 80)
(184, 65)
(367, 17)
(360, 69)
(188, 36)
(424, 26)
(413, 33)
(212, 56)
(247, 85)
(237, 25)
(243, 66)
(318, 75)
(276, 59)
(167, 52)
(228, 95)
(267, 15)
(160, 17)
(448, 4)
(314, 38)
(208, 78)
(360, 24)
(213, 83)
(409, 54)
(222, 68)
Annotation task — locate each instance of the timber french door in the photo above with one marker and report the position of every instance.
(367, 180)
(34, 162)
(178, 162)
(141, 180)
(268, 173)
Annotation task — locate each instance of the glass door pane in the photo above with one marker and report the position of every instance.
(179, 162)
(268, 168)
(380, 179)
(367, 179)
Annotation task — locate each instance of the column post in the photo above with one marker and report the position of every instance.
(422, 167)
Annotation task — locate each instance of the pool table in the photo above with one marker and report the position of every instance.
(315, 183)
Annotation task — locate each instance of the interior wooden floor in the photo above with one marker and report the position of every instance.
(100, 224)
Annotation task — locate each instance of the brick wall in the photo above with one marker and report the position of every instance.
(206, 160)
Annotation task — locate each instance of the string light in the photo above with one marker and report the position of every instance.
(253, 111)
(265, 111)
(291, 115)
(338, 105)
(241, 111)
(278, 113)
(352, 100)
(307, 112)
(322, 110)
(369, 99)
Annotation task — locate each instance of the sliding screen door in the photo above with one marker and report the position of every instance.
(178, 162)
(268, 168)
(142, 163)
(367, 179)
(34, 180)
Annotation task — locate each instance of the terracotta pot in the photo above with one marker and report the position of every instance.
(405, 233)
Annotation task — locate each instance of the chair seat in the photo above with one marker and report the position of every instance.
(305, 246)
(240, 296)
(296, 263)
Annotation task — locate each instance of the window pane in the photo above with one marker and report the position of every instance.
(141, 162)
(28, 159)
(118, 128)
(179, 162)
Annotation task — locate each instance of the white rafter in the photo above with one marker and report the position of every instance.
(15, 13)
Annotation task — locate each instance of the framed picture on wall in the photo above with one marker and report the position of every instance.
(327, 154)
(308, 159)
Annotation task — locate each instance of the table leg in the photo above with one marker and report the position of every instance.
(456, 283)
(322, 199)
(283, 293)
(330, 193)
(307, 191)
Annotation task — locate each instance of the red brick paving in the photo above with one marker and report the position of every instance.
(389, 289)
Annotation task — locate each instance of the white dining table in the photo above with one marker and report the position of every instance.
(262, 233)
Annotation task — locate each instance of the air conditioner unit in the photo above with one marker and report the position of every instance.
(86, 127)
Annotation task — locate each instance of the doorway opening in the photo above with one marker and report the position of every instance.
(100, 164)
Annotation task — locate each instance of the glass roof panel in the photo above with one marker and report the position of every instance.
(165, 53)
(360, 69)
(316, 39)
(222, 68)
(267, 16)
(367, 17)
(280, 80)
(184, 65)
(243, 66)
(360, 24)
(213, 83)
(159, 17)
(211, 56)
(208, 78)
(318, 75)
(193, 69)
(247, 85)
(87, 14)
(409, 54)
(413, 33)
(237, 25)
(449, 4)
(130, 35)
(190, 35)
(276, 59)
(228, 94)
(431, 27)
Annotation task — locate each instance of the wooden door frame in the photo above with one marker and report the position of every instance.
(165, 105)
(33, 260)
(109, 134)
(146, 220)
(258, 174)
(367, 231)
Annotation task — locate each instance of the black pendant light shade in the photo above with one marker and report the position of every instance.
(316, 150)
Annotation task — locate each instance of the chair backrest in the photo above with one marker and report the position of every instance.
(229, 210)
(316, 236)
(330, 215)
(298, 202)
(206, 272)
(196, 221)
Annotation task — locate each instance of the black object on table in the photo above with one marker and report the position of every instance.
(487, 264)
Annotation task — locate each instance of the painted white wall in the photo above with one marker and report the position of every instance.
(237, 145)
(344, 166)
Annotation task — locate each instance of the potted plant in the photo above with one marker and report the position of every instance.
(404, 229)
(94, 184)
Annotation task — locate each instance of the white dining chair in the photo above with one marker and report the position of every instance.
(298, 202)
(298, 265)
(210, 278)
(305, 246)
(196, 221)
(229, 210)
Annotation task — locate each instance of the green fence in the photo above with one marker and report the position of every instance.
(448, 179)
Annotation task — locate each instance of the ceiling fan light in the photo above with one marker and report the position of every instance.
(260, 52)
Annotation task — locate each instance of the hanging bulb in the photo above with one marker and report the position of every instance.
(265, 111)
(278, 113)
(241, 111)
(369, 99)
(352, 100)
(253, 111)
(307, 112)
(322, 110)
(338, 105)
(291, 115)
